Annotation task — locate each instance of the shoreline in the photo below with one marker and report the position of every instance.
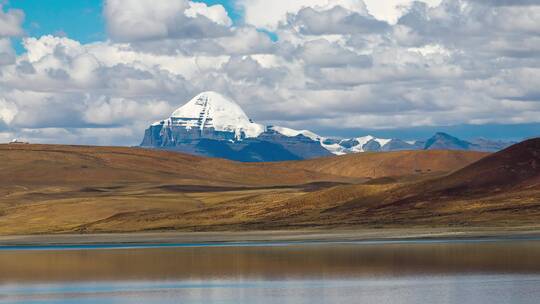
(262, 238)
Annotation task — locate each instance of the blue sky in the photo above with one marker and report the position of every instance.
(80, 19)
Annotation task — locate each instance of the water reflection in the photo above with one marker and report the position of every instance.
(501, 272)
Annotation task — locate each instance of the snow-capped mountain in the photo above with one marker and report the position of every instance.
(366, 144)
(293, 133)
(213, 110)
(352, 145)
(213, 125)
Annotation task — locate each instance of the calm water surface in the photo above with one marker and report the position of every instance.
(405, 272)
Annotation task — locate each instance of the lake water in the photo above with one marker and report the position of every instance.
(374, 272)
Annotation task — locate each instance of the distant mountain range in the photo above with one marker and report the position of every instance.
(213, 125)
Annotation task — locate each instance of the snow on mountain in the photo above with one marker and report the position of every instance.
(213, 110)
(362, 141)
(334, 148)
(338, 146)
(383, 142)
(213, 125)
(354, 145)
(292, 133)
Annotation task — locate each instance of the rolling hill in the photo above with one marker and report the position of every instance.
(62, 189)
(390, 164)
(35, 165)
(502, 189)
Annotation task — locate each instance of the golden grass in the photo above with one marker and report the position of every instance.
(62, 189)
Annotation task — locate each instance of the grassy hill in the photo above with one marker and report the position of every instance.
(60, 189)
(499, 190)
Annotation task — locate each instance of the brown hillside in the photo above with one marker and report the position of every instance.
(58, 189)
(57, 164)
(32, 165)
(387, 164)
(501, 189)
(515, 167)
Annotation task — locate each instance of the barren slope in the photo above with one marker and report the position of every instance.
(84, 165)
(499, 190)
(502, 189)
(388, 164)
(53, 188)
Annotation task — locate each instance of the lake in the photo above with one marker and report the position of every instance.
(473, 271)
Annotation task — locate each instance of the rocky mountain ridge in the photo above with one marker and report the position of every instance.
(213, 125)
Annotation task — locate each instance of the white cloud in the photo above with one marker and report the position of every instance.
(132, 20)
(10, 26)
(268, 14)
(48, 45)
(454, 63)
(246, 41)
(216, 13)
(7, 53)
(323, 53)
(10, 22)
(334, 21)
(141, 19)
(8, 110)
(391, 10)
(110, 111)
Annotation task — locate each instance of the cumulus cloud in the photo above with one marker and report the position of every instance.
(132, 20)
(246, 41)
(391, 10)
(60, 84)
(8, 110)
(269, 14)
(216, 13)
(323, 53)
(7, 53)
(472, 25)
(10, 26)
(336, 20)
(10, 22)
(440, 62)
(111, 111)
(248, 69)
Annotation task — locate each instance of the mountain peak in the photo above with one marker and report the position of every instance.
(446, 141)
(443, 134)
(215, 125)
(211, 109)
